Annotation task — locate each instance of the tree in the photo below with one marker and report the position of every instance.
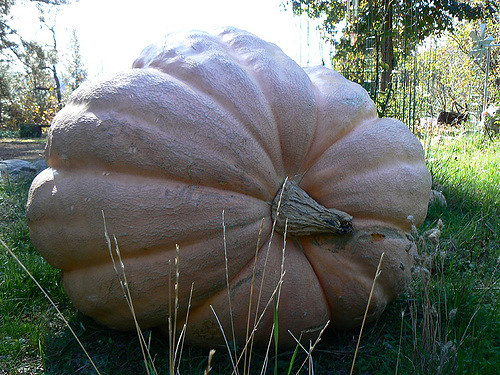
(38, 100)
(10, 41)
(6, 31)
(30, 69)
(76, 71)
(391, 29)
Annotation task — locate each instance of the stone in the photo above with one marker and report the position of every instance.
(16, 168)
(40, 165)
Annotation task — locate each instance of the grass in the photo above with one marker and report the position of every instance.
(449, 322)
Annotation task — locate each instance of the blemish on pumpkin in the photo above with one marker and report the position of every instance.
(377, 236)
(208, 330)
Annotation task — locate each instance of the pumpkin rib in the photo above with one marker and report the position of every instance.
(340, 109)
(299, 244)
(278, 78)
(109, 158)
(225, 98)
(76, 210)
(240, 285)
(95, 275)
(354, 261)
(310, 163)
(127, 170)
(344, 272)
(152, 251)
(391, 148)
(371, 194)
(347, 274)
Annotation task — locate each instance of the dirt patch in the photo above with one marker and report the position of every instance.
(24, 149)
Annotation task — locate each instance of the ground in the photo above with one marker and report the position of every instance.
(24, 149)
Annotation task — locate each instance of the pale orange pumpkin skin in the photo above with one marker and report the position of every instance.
(211, 123)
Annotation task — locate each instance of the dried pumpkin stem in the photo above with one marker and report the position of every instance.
(305, 215)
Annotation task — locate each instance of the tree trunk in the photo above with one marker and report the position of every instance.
(387, 47)
(57, 87)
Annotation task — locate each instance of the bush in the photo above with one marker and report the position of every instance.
(30, 131)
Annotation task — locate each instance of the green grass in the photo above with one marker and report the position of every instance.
(463, 300)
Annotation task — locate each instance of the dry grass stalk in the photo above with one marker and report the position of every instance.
(252, 333)
(182, 336)
(400, 342)
(59, 313)
(251, 295)
(265, 261)
(311, 348)
(122, 277)
(209, 364)
(377, 274)
(274, 328)
(227, 283)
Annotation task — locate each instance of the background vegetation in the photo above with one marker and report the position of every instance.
(413, 57)
(35, 78)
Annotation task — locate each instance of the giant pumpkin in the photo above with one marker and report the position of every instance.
(208, 123)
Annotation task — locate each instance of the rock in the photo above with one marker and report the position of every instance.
(40, 165)
(15, 168)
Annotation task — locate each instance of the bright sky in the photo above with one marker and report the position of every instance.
(112, 33)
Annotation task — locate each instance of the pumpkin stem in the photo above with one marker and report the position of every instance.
(305, 215)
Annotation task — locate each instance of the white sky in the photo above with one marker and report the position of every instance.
(112, 33)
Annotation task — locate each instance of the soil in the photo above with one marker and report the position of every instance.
(24, 149)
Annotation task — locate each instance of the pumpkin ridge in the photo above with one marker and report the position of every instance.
(126, 170)
(342, 106)
(298, 243)
(263, 188)
(339, 137)
(83, 198)
(348, 275)
(229, 106)
(154, 250)
(270, 92)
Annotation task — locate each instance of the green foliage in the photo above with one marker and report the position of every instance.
(30, 87)
(427, 17)
(76, 71)
(29, 131)
(381, 43)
